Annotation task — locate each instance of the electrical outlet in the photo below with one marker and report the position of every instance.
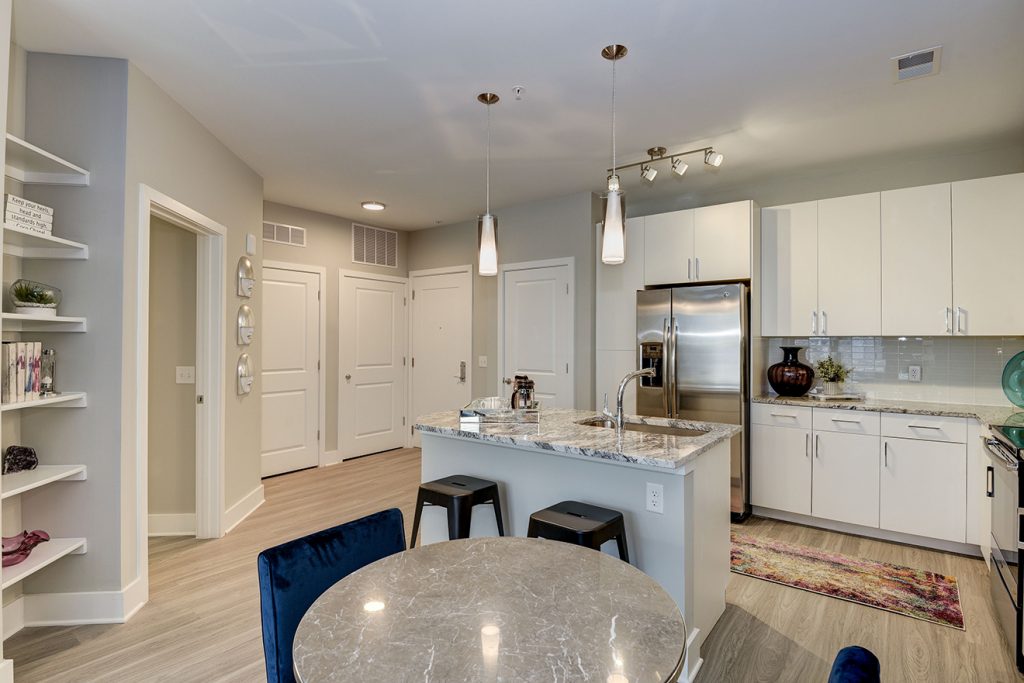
(655, 498)
(914, 373)
(185, 374)
(482, 362)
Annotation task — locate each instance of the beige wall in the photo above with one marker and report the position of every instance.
(172, 342)
(329, 245)
(552, 228)
(16, 90)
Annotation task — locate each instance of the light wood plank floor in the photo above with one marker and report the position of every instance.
(202, 621)
(780, 634)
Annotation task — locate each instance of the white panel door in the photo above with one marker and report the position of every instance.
(923, 484)
(668, 248)
(849, 266)
(615, 317)
(441, 342)
(537, 326)
(917, 269)
(988, 240)
(845, 477)
(372, 344)
(721, 242)
(290, 380)
(789, 270)
(780, 468)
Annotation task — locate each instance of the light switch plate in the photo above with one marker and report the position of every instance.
(250, 244)
(482, 362)
(185, 374)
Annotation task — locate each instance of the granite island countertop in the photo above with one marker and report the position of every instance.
(558, 432)
(988, 415)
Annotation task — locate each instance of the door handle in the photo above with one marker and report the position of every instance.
(824, 322)
(990, 481)
(462, 372)
(814, 322)
(348, 377)
(673, 334)
(506, 380)
(666, 370)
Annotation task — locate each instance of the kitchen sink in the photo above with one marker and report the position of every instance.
(639, 427)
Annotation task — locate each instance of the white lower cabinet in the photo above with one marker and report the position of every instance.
(845, 481)
(780, 468)
(923, 488)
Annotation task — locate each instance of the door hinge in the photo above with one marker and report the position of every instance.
(200, 399)
(318, 435)
(567, 288)
(414, 361)
(567, 368)
(318, 366)
(404, 302)
(403, 361)
(403, 421)
(318, 295)
(412, 430)
(414, 295)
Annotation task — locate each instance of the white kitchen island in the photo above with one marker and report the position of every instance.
(685, 548)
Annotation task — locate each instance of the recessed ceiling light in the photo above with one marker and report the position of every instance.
(373, 206)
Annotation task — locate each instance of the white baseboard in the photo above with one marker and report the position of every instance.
(172, 524)
(7, 671)
(330, 458)
(72, 609)
(870, 532)
(234, 515)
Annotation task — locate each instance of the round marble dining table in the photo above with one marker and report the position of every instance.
(493, 609)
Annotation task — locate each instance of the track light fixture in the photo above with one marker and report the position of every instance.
(679, 167)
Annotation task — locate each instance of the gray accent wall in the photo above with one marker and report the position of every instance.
(546, 229)
(328, 245)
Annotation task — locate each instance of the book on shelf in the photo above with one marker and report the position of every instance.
(7, 358)
(28, 223)
(21, 373)
(35, 360)
(30, 214)
(15, 200)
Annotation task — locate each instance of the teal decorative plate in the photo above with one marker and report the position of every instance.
(1013, 380)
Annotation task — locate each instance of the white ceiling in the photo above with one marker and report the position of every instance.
(338, 101)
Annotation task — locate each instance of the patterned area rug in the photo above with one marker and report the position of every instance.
(891, 587)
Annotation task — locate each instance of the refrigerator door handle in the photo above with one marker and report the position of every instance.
(673, 333)
(666, 371)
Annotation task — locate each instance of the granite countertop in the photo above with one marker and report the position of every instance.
(559, 432)
(989, 415)
(492, 609)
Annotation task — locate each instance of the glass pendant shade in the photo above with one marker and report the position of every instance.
(613, 246)
(488, 226)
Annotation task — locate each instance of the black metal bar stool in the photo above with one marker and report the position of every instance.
(458, 494)
(575, 522)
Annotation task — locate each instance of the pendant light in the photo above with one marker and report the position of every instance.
(487, 226)
(613, 245)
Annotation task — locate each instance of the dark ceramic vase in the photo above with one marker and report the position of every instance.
(790, 377)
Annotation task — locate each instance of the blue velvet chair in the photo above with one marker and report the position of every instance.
(855, 664)
(294, 574)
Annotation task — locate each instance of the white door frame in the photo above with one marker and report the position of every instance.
(211, 352)
(451, 270)
(320, 272)
(364, 275)
(529, 265)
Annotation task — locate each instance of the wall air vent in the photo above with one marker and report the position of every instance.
(374, 246)
(916, 64)
(284, 234)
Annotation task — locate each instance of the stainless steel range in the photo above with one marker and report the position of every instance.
(1006, 449)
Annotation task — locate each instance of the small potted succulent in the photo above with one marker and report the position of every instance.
(832, 374)
(35, 298)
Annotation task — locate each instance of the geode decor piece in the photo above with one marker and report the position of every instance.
(19, 458)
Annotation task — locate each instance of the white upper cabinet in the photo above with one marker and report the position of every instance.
(721, 242)
(789, 269)
(668, 248)
(615, 316)
(988, 240)
(917, 277)
(849, 266)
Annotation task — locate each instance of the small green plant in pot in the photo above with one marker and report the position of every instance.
(35, 298)
(832, 374)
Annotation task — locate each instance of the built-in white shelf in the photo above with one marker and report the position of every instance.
(20, 322)
(31, 245)
(69, 399)
(20, 482)
(43, 555)
(32, 165)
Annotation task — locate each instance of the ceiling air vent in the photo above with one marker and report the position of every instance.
(916, 64)
(284, 234)
(374, 246)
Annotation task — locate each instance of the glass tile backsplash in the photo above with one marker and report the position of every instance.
(953, 369)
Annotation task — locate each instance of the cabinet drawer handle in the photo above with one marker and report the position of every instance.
(792, 417)
(839, 419)
(938, 429)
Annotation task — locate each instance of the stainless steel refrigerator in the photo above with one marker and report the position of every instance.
(696, 339)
